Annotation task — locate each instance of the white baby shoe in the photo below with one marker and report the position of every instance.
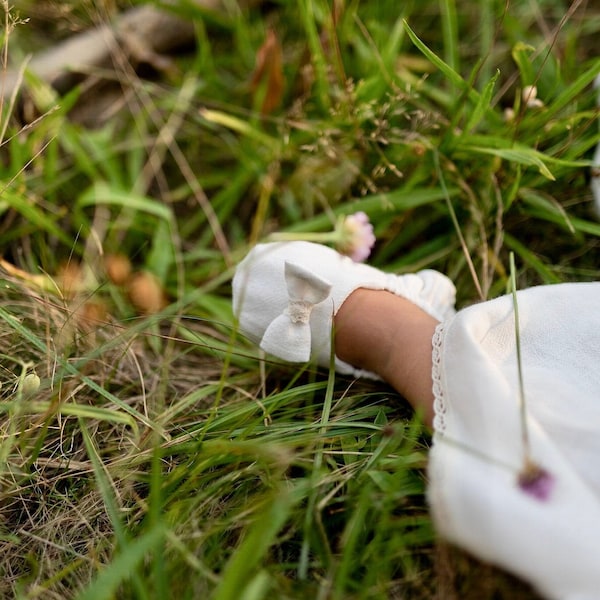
(285, 295)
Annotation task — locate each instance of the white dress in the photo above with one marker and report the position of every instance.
(285, 296)
(478, 450)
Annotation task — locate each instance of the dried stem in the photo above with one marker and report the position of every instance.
(522, 403)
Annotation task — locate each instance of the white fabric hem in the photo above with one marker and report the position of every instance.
(439, 400)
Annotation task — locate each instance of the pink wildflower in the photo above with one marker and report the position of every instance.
(536, 481)
(357, 237)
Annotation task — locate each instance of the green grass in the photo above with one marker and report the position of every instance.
(161, 456)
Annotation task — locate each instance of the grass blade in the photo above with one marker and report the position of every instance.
(131, 556)
(242, 566)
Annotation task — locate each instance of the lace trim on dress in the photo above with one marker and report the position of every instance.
(439, 401)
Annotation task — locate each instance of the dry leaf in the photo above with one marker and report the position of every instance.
(268, 73)
(91, 314)
(70, 278)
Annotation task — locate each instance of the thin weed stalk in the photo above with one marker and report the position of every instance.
(522, 400)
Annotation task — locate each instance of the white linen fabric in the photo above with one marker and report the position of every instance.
(478, 450)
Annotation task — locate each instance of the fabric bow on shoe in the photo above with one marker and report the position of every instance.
(289, 336)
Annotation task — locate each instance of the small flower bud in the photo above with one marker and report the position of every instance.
(118, 268)
(146, 293)
(536, 481)
(30, 385)
(509, 115)
(529, 95)
(357, 237)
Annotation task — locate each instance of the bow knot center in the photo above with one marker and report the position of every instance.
(299, 311)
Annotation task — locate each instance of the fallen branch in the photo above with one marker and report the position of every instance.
(143, 34)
